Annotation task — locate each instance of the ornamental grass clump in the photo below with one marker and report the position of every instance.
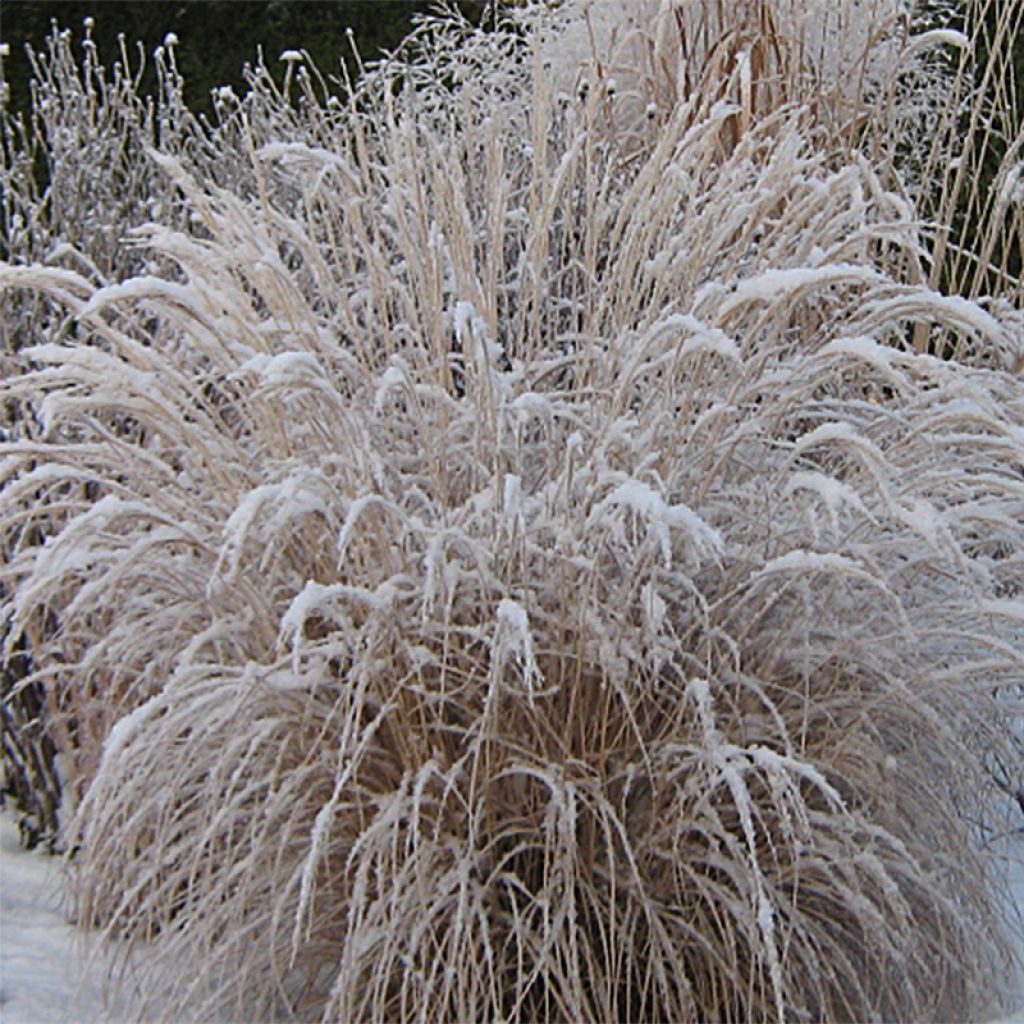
(492, 567)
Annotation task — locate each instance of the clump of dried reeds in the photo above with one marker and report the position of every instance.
(505, 569)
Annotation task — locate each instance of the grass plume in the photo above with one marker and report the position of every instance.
(494, 565)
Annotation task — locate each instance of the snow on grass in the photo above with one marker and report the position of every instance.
(529, 538)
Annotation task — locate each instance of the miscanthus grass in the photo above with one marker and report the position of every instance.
(527, 551)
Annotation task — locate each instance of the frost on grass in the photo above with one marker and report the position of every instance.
(493, 564)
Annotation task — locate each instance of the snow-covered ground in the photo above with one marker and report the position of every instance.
(1016, 914)
(50, 975)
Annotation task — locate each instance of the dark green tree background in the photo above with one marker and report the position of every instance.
(216, 37)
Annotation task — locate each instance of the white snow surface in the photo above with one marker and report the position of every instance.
(51, 973)
(1014, 851)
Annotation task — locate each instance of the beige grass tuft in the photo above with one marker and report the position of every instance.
(498, 571)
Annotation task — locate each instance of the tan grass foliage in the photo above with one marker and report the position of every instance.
(487, 568)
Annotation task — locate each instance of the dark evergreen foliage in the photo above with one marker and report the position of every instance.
(217, 37)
